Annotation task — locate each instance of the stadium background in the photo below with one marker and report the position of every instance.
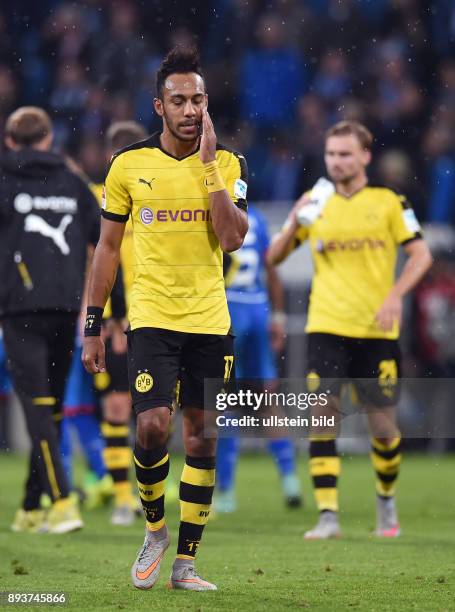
(278, 74)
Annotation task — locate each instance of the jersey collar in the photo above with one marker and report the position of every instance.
(156, 142)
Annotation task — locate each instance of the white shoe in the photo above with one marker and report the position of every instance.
(146, 568)
(387, 525)
(326, 528)
(123, 516)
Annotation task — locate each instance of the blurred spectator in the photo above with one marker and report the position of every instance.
(280, 172)
(91, 156)
(394, 170)
(399, 103)
(332, 80)
(65, 36)
(272, 77)
(67, 101)
(439, 150)
(313, 123)
(8, 91)
(120, 53)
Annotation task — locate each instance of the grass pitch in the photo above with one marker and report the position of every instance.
(256, 556)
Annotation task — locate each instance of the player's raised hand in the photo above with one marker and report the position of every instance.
(291, 220)
(93, 354)
(207, 148)
(390, 312)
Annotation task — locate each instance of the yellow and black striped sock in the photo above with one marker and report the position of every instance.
(386, 459)
(117, 457)
(196, 491)
(325, 468)
(152, 468)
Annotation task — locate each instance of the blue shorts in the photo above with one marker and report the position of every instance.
(79, 393)
(5, 381)
(253, 354)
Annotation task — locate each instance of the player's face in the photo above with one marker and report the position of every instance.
(345, 158)
(184, 98)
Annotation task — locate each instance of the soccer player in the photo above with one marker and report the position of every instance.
(355, 310)
(185, 194)
(258, 334)
(49, 220)
(112, 385)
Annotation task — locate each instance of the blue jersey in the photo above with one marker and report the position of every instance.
(249, 284)
(248, 302)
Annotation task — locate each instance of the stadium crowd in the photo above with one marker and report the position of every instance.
(278, 72)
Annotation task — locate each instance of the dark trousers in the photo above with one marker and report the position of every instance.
(39, 349)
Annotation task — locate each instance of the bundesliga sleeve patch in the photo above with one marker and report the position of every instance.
(410, 220)
(240, 189)
(103, 198)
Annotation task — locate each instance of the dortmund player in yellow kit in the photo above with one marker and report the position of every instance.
(112, 385)
(355, 310)
(185, 195)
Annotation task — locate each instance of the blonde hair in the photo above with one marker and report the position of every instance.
(354, 128)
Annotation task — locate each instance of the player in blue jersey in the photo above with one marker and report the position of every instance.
(256, 304)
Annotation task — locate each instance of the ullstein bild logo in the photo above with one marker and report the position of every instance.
(172, 216)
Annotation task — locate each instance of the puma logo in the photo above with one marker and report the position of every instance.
(33, 223)
(145, 182)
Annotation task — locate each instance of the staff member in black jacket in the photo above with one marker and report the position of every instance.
(48, 219)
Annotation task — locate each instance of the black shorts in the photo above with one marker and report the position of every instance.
(39, 349)
(115, 379)
(372, 365)
(158, 358)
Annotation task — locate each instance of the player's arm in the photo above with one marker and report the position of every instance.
(406, 231)
(229, 222)
(418, 262)
(278, 319)
(290, 236)
(101, 280)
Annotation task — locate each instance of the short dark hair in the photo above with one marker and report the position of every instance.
(28, 125)
(344, 128)
(179, 60)
(121, 134)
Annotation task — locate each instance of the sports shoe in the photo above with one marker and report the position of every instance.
(291, 491)
(186, 578)
(146, 568)
(64, 516)
(31, 521)
(224, 502)
(98, 491)
(123, 515)
(387, 525)
(326, 528)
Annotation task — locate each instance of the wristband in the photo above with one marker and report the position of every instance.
(213, 179)
(93, 321)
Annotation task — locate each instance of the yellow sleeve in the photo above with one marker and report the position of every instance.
(236, 179)
(116, 203)
(301, 234)
(403, 222)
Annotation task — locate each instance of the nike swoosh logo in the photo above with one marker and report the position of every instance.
(144, 575)
(193, 581)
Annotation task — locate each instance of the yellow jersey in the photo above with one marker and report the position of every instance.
(354, 244)
(177, 260)
(126, 252)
